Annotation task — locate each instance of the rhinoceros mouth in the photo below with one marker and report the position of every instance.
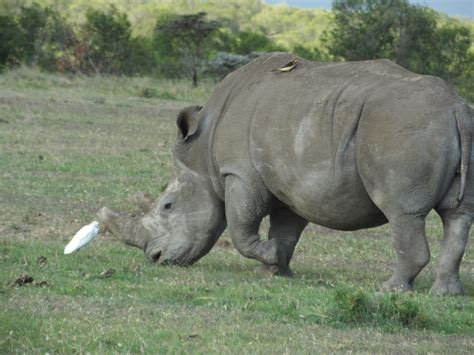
(162, 256)
(157, 257)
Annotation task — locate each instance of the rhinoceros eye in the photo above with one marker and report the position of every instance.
(167, 206)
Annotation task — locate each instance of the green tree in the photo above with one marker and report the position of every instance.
(55, 43)
(415, 41)
(31, 20)
(245, 42)
(107, 35)
(454, 59)
(37, 35)
(408, 34)
(142, 57)
(168, 51)
(190, 35)
(314, 54)
(453, 56)
(364, 29)
(9, 31)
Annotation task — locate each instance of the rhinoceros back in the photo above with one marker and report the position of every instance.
(298, 129)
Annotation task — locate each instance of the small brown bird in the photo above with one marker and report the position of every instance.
(288, 67)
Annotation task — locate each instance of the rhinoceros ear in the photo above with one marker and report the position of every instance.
(188, 122)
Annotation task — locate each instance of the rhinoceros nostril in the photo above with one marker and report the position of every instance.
(155, 256)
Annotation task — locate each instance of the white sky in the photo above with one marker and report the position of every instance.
(463, 8)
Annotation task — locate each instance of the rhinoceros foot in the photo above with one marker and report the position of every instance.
(448, 286)
(273, 270)
(397, 284)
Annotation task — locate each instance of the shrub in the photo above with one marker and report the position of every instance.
(311, 53)
(56, 43)
(388, 311)
(245, 42)
(351, 307)
(142, 58)
(107, 38)
(411, 35)
(224, 63)
(9, 37)
(31, 20)
(190, 36)
(147, 93)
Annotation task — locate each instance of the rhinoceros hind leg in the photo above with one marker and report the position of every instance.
(455, 234)
(409, 241)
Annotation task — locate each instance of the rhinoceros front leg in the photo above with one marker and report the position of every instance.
(286, 228)
(456, 232)
(411, 246)
(245, 206)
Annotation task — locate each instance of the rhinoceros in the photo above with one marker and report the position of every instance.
(343, 145)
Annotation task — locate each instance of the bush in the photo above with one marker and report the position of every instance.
(314, 54)
(408, 34)
(225, 63)
(388, 311)
(36, 36)
(181, 45)
(402, 310)
(142, 58)
(9, 37)
(351, 307)
(56, 43)
(31, 21)
(189, 36)
(245, 42)
(107, 38)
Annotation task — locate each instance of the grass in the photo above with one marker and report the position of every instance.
(69, 145)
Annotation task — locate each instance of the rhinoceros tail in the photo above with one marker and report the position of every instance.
(463, 122)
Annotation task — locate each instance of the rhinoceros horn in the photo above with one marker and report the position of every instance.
(125, 229)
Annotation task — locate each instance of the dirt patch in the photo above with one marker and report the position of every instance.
(41, 260)
(223, 244)
(48, 224)
(24, 280)
(107, 273)
(42, 284)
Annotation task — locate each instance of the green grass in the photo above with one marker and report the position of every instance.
(69, 145)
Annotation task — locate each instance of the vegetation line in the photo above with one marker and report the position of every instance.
(175, 40)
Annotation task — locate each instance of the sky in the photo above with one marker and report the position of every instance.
(464, 8)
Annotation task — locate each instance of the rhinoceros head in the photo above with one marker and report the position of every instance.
(185, 222)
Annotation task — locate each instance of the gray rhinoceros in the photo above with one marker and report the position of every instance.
(343, 145)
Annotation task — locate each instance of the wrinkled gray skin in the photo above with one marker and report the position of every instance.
(343, 145)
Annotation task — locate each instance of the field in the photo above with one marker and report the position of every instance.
(69, 145)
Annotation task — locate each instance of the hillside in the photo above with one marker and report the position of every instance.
(286, 25)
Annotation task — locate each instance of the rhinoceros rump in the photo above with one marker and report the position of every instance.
(343, 145)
